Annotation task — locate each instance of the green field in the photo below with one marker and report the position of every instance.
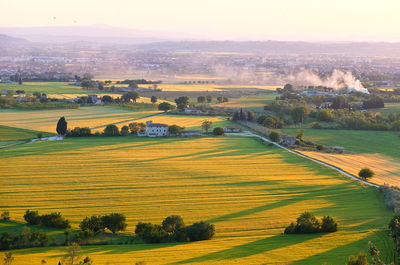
(368, 142)
(249, 190)
(47, 88)
(389, 108)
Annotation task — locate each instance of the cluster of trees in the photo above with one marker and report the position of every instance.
(25, 239)
(203, 99)
(362, 259)
(139, 82)
(182, 102)
(55, 220)
(273, 122)
(114, 222)
(222, 99)
(307, 223)
(243, 115)
(165, 106)
(173, 229)
(110, 130)
(79, 132)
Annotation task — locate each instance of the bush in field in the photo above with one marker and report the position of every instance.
(200, 231)
(274, 137)
(5, 215)
(111, 130)
(328, 225)
(218, 131)
(366, 173)
(151, 233)
(51, 220)
(32, 217)
(307, 223)
(114, 222)
(124, 130)
(93, 223)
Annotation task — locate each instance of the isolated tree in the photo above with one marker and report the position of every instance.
(209, 98)
(5, 215)
(299, 114)
(328, 225)
(175, 129)
(114, 222)
(124, 130)
(274, 137)
(206, 125)
(8, 258)
(366, 173)
(107, 99)
(61, 126)
(111, 130)
(73, 254)
(182, 102)
(130, 96)
(100, 85)
(250, 115)
(136, 127)
(32, 217)
(153, 99)
(218, 131)
(93, 223)
(165, 106)
(201, 99)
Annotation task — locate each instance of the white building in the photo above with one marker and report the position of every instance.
(232, 129)
(156, 129)
(193, 111)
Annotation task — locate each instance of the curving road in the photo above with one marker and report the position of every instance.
(250, 134)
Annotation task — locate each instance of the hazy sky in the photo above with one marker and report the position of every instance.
(376, 20)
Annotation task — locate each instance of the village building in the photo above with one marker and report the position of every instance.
(232, 129)
(193, 111)
(156, 129)
(190, 133)
(287, 140)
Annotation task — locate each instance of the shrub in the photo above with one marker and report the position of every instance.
(114, 222)
(307, 223)
(200, 231)
(175, 226)
(93, 223)
(111, 130)
(124, 130)
(366, 173)
(325, 115)
(218, 131)
(32, 217)
(54, 220)
(274, 137)
(328, 225)
(5, 215)
(361, 259)
(151, 233)
(315, 125)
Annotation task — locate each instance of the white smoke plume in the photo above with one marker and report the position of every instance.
(337, 80)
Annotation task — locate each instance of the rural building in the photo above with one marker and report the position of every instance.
(287, 140)
(190, 133)
(192, 111)
(156, 129)
(338, 149)
(232, 129)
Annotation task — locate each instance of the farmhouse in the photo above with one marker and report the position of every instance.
(156, 129)
(232, 129)
(190, 133)
(287, 140)
(192, 111)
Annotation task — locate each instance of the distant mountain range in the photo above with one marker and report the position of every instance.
(167, 41)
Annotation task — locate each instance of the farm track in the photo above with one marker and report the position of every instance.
(341, 171)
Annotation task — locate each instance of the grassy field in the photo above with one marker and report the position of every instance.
(46, 120)
(389, 108)
(378, 150)
(256, 103)
(249, 190)
(47, 87)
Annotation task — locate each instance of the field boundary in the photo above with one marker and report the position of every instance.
(341, 171)
(120, 122)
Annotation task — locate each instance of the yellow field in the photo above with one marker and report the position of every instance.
(206, 87)
(253, 102)
(387, 171)
(46, 120)
(250, 191)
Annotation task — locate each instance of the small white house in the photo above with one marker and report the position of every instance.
(232, 129)
(156, 129)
